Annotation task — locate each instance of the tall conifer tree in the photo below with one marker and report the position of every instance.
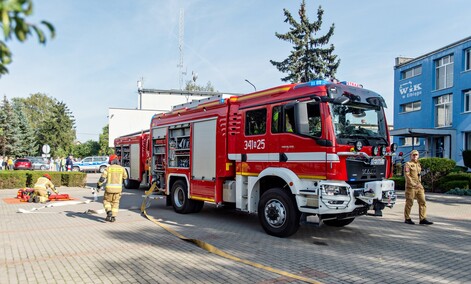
(310, 58)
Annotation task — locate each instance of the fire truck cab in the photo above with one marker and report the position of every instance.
(316, 148)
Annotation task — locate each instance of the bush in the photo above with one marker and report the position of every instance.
(13, 179)
(458, 191)
(446, 186)
(435, 168)
(455, 176)
(21, 179)
(399, 182)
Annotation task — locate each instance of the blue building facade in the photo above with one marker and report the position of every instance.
(432, 102)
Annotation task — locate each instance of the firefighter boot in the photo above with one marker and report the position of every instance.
(112, 219)
(108, 216)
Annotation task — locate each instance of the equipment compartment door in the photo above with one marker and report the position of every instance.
(203, 166)
(134, 157)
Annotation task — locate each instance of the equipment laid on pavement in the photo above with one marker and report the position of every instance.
(27, 195)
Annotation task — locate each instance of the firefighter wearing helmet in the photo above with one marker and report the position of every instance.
(41, 188)
(113, 175)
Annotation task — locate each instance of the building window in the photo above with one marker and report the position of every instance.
(415, 71)
(467, 140)
(467, 101)
(407, 141)
(444, 72)
(443, 110)
(467, 59)
(413, 106)
(255, 122)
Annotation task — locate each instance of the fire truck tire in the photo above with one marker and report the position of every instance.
(197, 206)
(278, 213)
(180, 202)
(338, 223)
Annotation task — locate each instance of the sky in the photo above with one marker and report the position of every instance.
(102, 48)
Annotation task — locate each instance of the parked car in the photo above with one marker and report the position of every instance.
(22, 164)
(91, 164)
(40, 163)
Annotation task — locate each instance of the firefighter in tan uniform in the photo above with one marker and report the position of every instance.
(113, 175)
(414, 189)
(41, 187)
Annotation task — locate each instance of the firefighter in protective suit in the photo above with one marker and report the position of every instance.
(113, 175)
(414, 190)
(41, 188)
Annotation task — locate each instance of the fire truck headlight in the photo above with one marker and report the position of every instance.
(383, 150)
(393, 147)
(358, 146)
(331, 190)
(375, 150)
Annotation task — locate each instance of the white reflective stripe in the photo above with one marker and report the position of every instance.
(236, 157)
(114, 185)
(306, 156)
(292, 157)
(259, 157)
(333, 158)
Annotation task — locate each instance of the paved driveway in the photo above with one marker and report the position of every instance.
(62, 244)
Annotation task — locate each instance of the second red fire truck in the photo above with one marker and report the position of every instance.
(318, 148)
(133, 153)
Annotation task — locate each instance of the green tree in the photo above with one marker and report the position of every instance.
(13, 14)
(58, 129)
(27, 143)
(53, 122)
(89, 148)
(9, 141)
(192, 86)
(105, 150)
(309, 59)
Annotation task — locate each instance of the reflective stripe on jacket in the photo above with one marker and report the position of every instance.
(114, 175)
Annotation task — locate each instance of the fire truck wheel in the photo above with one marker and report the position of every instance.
(180, 202)
(338, 223)
(278, 213)
(197, 206)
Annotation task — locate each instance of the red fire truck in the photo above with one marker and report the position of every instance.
(318, 148)
(133, 153)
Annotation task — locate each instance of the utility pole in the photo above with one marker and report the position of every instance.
(180, 46)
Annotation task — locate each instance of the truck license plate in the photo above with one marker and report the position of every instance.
(377, 161)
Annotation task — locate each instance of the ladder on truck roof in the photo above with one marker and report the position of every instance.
(196, 103)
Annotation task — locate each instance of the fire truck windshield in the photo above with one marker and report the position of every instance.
(359, 121)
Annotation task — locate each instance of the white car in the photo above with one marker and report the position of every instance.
(91, 164)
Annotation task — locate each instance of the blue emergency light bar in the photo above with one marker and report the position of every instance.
(313, 83)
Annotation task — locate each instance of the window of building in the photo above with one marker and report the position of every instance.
(407, 141)
(413, 106)
(467, 59)
(255, 122)
(444, 72)
(467, 140)
(467, 101)
(443, 110)
(415, 71)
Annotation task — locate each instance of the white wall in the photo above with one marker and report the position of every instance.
(123, 121)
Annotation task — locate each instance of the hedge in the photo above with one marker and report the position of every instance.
(399, 182)
(22, 179)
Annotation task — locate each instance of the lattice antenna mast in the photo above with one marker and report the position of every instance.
(181, 33)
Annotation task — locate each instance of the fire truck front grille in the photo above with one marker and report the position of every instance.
(359, 171)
